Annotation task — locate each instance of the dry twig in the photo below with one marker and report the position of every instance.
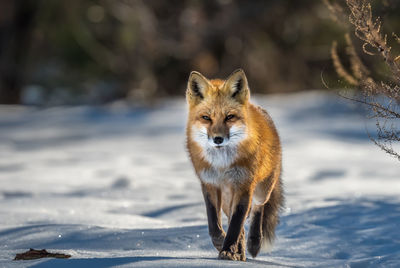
(381, 97)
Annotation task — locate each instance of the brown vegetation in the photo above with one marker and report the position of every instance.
(382, 96)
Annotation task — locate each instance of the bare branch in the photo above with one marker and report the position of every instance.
(382, 98)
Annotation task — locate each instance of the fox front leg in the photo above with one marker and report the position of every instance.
(234, 246)
(212, 198)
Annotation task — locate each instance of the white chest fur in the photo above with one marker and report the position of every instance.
(220, 157)
(216, 176)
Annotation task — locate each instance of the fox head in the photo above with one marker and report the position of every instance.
(217, 114)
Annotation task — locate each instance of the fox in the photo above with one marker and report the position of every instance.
(235, 150)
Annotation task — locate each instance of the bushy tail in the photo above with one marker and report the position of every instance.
(271, 215)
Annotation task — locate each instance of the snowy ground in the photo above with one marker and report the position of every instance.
(112, 186)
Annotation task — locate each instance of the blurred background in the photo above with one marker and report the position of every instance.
(93, 52)
(92, 158)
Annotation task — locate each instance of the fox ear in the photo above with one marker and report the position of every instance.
(197, 85)
(237, 86)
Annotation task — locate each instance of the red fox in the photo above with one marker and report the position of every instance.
(236, 153)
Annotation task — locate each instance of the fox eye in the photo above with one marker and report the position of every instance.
(229, 117)
(205, 117)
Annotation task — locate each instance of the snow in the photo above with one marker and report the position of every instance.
(113, 186)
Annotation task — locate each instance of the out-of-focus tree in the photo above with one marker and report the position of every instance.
(16, 18)
(101, 50)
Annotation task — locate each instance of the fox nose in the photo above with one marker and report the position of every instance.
(218, 140)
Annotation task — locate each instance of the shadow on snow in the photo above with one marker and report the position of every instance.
(364, 230)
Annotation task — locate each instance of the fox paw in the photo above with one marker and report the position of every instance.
(218, 241)
(233, 256)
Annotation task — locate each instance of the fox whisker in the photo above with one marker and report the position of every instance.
(238, 134)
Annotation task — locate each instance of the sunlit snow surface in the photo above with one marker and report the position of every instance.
(113, 186)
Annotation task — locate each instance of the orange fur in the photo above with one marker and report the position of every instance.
(252, 171)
